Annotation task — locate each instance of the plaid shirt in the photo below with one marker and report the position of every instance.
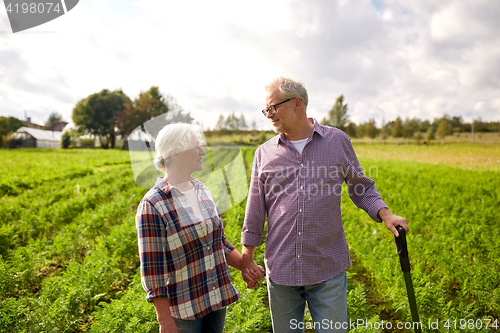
(181, 259)
(301, 195)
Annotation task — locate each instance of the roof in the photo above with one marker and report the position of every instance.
(59, 126)
(31, 125)
(42, 134)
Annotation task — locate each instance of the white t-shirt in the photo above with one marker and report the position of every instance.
(192, 199)
(299, 144)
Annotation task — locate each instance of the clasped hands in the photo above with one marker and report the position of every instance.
(252, 274)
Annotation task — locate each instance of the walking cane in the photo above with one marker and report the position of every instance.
(405, 267)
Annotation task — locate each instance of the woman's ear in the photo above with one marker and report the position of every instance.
(174, 152)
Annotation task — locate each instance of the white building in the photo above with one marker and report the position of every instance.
(37, 138)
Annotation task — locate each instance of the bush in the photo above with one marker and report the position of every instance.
(66, 140)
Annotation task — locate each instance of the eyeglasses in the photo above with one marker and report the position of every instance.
(272, 108)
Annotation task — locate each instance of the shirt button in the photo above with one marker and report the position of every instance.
(300, 210)
(213, 288)
(302, 164)
(298, 256)
(301, 187)
(300, 233)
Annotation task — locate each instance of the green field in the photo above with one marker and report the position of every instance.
(69, 259)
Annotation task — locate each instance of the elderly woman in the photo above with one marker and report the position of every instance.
(183, 250)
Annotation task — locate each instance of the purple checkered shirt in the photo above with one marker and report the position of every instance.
(301, 195)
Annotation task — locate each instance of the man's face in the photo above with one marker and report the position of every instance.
(285, 118)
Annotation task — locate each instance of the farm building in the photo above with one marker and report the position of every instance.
(37, 138)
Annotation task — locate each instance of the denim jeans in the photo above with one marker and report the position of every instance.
(210, 323)
(327, 302)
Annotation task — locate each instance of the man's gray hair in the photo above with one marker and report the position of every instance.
(178, 136)
(289, 87)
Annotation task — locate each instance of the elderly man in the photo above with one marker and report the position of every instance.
(296, 181)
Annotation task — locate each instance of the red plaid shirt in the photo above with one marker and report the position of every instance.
(181, 259)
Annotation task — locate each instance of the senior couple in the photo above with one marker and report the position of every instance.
(183, 250)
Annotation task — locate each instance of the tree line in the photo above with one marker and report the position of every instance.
(413, 128)
(107, 114)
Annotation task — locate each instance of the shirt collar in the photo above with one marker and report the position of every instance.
(163, 184)
(318, 128)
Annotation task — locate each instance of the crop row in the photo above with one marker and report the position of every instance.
(453, 247)
(41, 212)
(53, 283)
(30, 167)
(70, 263)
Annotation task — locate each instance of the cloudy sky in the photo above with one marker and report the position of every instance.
(389, 58)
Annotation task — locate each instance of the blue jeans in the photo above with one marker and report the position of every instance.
(327, 302)
(210, 323)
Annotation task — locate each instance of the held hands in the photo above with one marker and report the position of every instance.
(250, 271)
(252, 277)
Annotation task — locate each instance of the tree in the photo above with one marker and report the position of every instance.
(254, 128)
(351, 130)
(442, 130)
(220, 124)
(424, 126)
(8, 125)
(232, 122)
(408, 131)
(242, 123)
(411, 126)
(66, 140)
(418, 138)
(371, 129)
(54, 118)
(97, 113)
(337, 116)
(384, 133)
(148, 105)
(397, 129)
(360, 131)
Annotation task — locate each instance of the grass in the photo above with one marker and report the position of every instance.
(478, 156)
(69, 254)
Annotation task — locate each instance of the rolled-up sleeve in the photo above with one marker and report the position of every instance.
(255, 212)
(361, 189)
(151, 235)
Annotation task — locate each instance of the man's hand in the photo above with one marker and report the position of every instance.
(251, 277)
(250, 271)
(392, 221)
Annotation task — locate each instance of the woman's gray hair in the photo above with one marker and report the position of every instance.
(289, 87)
(178, 136)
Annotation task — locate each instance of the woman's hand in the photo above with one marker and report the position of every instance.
(167, 323)
(168, 327)
(251, 277)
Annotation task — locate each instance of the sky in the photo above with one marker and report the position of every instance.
(389, 58)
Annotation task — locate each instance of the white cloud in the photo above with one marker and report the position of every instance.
(408, 58)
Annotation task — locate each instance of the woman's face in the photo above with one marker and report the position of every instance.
(191, 158)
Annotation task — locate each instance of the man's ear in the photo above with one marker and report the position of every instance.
(298, 102)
